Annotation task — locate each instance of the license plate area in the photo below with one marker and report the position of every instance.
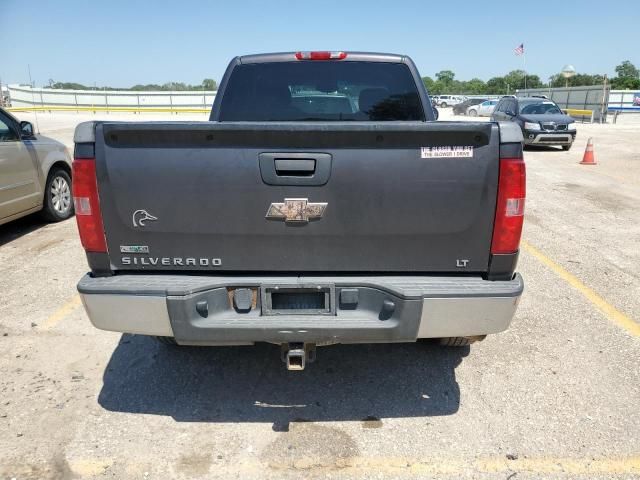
(298, 300)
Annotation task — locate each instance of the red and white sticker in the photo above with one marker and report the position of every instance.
(446, 152)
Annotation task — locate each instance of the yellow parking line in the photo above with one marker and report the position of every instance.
(90, 467)
(588, 466)
(453, 466)
(362, 466)
(62, 312)
(611, 312)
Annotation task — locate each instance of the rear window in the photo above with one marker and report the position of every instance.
(321, 91)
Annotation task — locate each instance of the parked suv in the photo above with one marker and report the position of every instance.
(449, 100)
(541, 120)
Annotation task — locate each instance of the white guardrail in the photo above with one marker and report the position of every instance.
(47, 99)
(25, 96)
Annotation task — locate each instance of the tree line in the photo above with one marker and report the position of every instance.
(207, 84)
(627, 77)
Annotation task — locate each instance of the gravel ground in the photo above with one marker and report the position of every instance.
(556, 396)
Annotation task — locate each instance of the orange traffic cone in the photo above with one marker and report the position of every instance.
(588, 158)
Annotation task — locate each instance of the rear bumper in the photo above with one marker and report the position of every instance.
(386, 308)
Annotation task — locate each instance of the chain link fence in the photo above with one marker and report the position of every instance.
(591, 98)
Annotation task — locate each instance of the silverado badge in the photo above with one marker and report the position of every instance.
(296, 210)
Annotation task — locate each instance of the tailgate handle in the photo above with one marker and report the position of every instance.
(287, 167)
(295, 168)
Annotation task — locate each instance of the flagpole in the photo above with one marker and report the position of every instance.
(524, 66)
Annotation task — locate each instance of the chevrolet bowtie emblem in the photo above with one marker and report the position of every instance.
(296, 210)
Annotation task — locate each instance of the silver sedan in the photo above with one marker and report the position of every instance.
(482, 110)
(35, 173)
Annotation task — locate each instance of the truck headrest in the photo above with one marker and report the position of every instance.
(370, 97)
(274, 94)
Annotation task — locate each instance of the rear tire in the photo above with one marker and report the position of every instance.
(57, 204)
(473, 113)
(566, 148)
(167, 341)
(443, 104)
(460, 341)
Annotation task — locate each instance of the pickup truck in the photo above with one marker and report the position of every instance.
(321, 204)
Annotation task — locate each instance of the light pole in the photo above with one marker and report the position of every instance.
(568, 71)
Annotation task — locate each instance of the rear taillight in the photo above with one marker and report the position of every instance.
(321, 55)
(507, 228)
(87, 205)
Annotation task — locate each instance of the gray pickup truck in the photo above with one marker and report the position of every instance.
(321, 204)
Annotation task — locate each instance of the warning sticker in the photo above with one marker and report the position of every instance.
(446, 152)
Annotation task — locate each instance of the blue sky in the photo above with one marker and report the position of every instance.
(124, 42)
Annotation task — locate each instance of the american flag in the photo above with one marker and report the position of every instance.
(520, 49)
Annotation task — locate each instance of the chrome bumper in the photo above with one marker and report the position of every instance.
(424, 307)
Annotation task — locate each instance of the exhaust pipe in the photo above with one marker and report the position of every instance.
(296, 355)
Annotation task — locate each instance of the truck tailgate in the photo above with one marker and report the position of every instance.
(195, 196)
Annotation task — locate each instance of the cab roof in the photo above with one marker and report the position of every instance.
(351, 57)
